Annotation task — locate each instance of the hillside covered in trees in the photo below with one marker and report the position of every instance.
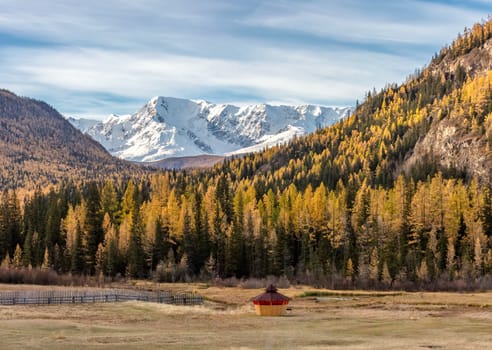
(40, 148)
(398, 194)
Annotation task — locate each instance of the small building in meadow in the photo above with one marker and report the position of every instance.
(271, 303)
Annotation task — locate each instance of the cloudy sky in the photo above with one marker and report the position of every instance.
(91, 58)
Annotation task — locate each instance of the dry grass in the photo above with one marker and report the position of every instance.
(343, 321)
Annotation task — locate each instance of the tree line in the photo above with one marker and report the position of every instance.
(337, 205)
(170, 224)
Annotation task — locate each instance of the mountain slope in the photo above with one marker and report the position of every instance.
(39, 147)
(440, 119)
(459, 137)
(170, 127)
(204, 161)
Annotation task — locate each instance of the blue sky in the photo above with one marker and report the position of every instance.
(91, 58)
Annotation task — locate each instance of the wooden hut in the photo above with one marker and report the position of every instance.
(270, 303)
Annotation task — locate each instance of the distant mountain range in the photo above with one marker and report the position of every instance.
(168, 127)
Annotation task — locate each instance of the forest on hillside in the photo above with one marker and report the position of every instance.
(40, 148)
(335, 208)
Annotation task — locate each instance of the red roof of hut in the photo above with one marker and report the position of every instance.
(271, 297)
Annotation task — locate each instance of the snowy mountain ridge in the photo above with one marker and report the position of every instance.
(172, 127)
(82, 124)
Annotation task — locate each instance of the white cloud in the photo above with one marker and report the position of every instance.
(403, 21)
(314, 51)
(296, 77)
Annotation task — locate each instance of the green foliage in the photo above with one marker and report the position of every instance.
(136, 258)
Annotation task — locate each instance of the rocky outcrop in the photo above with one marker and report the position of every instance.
(455, 141)
(453, 144)
(476, 62)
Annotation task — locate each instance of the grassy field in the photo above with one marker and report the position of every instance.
(331, 320)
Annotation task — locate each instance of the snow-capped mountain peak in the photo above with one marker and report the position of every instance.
(172, 127)
(82, 124)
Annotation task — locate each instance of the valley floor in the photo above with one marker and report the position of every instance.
(341, 320)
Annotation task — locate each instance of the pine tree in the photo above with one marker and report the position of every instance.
(6, 262)
(59, 263)
(423, 272)
(10, 223)
(93, 225)
(234, 252)
(128, 201)
(374, 266)
(110, 257)
(462, 246)
(385, 276)
(17, 259)
(46, 260)
(281, 254)
(223, 195)
(27, 256)
(218, 249)
(100, 259)
(161, 244)
(53, 220)
(4, 236)
(349, 270)
(189, 243)
(260, 259)
(478, 258)
(35, 220)
(135, 254)
(109, 202)
(78, 253)
(211, 268)
(360, 229)
(74, 220)
(486, 214)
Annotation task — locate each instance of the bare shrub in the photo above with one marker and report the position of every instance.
(282, 282)
(256, 283)
(164, 273)
(43, 277)
(252, 283)
(168, 272)
(227, 282)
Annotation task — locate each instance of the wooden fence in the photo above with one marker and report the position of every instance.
(74, 296)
